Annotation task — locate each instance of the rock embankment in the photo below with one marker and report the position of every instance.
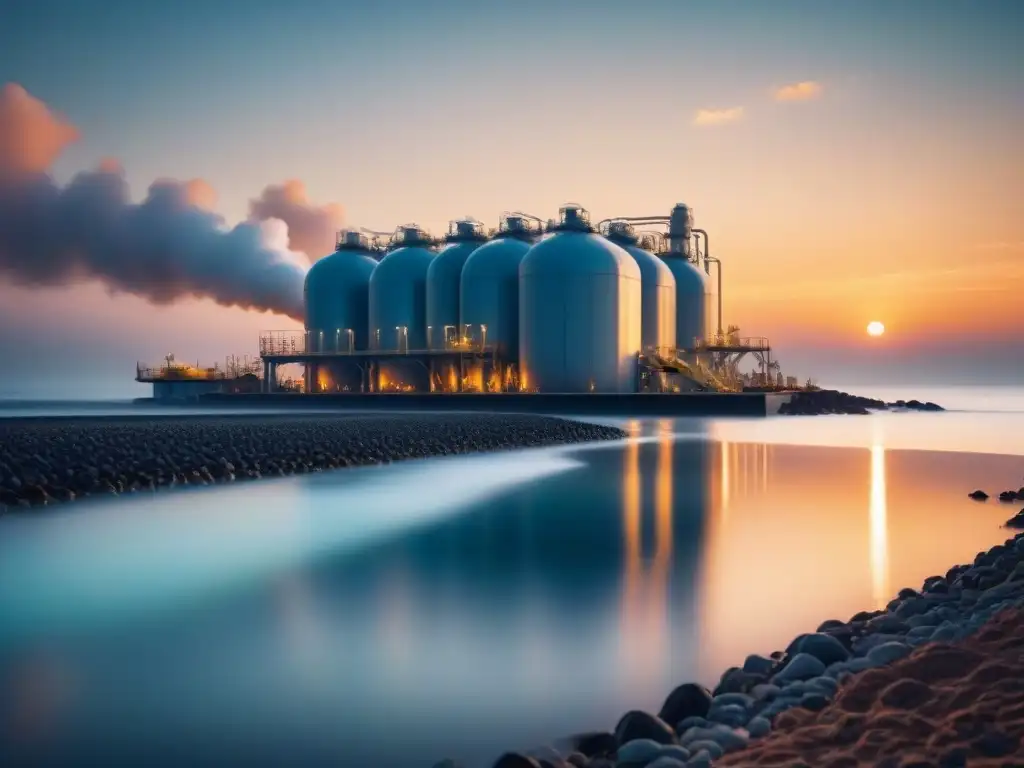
(824, 401)
(874, 690)
(47, 460)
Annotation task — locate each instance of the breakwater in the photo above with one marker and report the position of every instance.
(825, 401)
(930, 680)
(49, 460)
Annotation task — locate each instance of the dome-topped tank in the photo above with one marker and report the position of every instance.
(490, 286)
(444, 278)
(337, 296)
(398, 292)
(693, 286)
(579, 311)
(658, 312)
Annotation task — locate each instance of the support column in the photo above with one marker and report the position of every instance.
(265, 385)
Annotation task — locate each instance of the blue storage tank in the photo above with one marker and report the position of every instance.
(490, 286)
(694, 293)
(579, 311)
(658, 311)
(337, 296)
(444, 279)
(398, 292)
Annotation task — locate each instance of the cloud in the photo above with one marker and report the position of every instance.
(805, 90)
(168, 247)
(718, 116)
(31, 136)
(312, 229)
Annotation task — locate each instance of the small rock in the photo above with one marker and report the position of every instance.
(712, 748)
(978, 495)
(996, 744)
(685, 701)
(595, 744)
(906, 694)
(638, 724)
(814, 701)
(693, 721)
(888, 653)
(640, 751)
(758, 665)
(675, 751)
(735, 680)
(803, 666)
(758, 727)
(825, 648)
(765, 691)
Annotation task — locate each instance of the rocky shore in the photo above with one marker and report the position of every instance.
(916, 684)
(49, 460)
(824, 401)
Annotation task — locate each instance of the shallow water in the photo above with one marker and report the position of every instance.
(461, 606)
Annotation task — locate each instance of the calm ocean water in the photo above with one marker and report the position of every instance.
(457, 607)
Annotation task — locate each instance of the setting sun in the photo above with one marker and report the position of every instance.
(875, 328)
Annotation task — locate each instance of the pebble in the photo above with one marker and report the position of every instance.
(758, 665)
(801, 667)
(826, 648)
(638, 724)
(687, 700)
(887, 653)
(814, 701)
(711, 748)
(639, 751)
(759, 727)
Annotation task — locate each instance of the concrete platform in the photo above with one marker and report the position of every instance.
(690, 404)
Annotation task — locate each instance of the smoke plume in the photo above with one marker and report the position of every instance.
(168, 247)
(311, 229)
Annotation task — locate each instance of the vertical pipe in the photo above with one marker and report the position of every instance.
(708, 258)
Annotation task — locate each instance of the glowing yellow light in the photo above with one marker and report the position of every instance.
(875, 328)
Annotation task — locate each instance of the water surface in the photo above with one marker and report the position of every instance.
(462, 606)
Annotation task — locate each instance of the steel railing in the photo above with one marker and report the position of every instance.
(341, 342)
(188, 373)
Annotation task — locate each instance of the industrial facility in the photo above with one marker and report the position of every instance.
(626, 305)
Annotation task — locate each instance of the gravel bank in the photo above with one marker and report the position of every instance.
(48, 460)
(913, 685)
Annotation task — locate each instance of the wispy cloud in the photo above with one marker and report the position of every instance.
(718, 116)
(805, 90)
(1001, 245)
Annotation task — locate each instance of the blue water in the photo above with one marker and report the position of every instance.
(461, 606)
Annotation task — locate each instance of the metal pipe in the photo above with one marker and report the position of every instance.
(526, 216)
(636, 219)
(709, 259)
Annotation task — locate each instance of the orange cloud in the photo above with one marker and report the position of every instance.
(311, 228)
(805, 90)
(718, 116)
(31, 136)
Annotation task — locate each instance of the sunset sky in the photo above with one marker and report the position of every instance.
(851, 161)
